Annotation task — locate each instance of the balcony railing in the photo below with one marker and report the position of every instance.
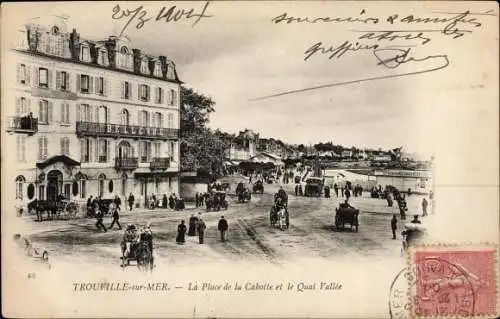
(159, 163)
(118, 130)
(126, 163)
(22, 124)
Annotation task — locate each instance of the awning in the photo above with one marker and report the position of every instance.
(58, 159)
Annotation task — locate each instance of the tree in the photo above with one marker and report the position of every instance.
(201, 149)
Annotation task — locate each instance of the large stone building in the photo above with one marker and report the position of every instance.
(87, 117)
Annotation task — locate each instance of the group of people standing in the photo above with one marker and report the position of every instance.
(197, 227)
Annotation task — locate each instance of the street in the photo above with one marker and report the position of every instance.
(311, 234)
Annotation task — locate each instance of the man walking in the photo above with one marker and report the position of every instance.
(336, 189)
(394, 226)
(131, 200)
(201, 229)
(116, 219)
(424, 207)
(222, 227)
(99, 224)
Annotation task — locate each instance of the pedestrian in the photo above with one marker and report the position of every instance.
(192, 225)
(424, 207)
(336, 189)
(171, 202)
(164, 201)
(99, 224)
(394, 226)
(89, 206)
(342, 191)
(181, 232)
(296, 190)
(116, 219)
(388, 198)
(222, 227)
(196, 200)
(415, 220)
(431, 195)
(201, 230)
(117, 202)
(347, 193)
(131, 200)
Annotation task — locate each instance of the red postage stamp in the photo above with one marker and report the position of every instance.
(458, 282)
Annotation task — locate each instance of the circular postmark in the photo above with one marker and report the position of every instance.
(432, 287)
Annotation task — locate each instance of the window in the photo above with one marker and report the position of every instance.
(67, 190)
(21, 104)
(103, 151)
(143, 118)
(127, 90)
(64, 113)
(103, 57)
(21, 148)
(124, 117)
(42, 148)
(157, 71)
(170, 120)
(22, 78)
(41, 192)
(124, 184)
(86, 113)
(144, 92)
(174, 97)
(157, 152)
(83, 187)
(100, 85)
(158, 119)
(20, 180)
(85, 150)
(103, 114)
(144, 66)
(43, 112)
(85, 83)
(159, 95)
(100, 189)
(124, 59)
(144, 151)
(65, 146)
(172, 151)
(75, 188)
(43, 77)
(62, 80)
(31, 191)
(110, 186)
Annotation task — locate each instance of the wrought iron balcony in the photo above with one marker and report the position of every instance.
(118, 130)
(159, 163)
(126, 163)
(22, 124)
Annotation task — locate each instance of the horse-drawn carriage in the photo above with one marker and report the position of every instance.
(216, 201)
(346, 214)
(314, 187)
(278, 216)
(243, 193)
(258, 187)
(54, 209)
(137, 248)
(413, 234)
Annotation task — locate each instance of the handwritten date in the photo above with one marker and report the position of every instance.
(140, 16)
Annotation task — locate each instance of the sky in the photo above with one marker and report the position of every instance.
(238, 55)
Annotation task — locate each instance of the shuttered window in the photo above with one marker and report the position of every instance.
(42, 147)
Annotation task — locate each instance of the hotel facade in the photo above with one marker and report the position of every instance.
(84, 118)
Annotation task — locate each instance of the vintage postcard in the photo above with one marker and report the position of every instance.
(250, 159)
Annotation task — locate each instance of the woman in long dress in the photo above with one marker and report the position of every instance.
(192, 225)
(181, 232)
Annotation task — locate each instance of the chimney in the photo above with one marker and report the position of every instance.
(164, 66)
(111, 48)
(137, 60)
(74, 45)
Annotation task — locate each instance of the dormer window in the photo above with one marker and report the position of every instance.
(144, 66)
(157, 71)
(124, 50)
(124, 59)
(85, 54)
(103, 57)
(55, 30)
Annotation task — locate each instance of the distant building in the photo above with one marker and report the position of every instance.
(243, 146)
(419, 182)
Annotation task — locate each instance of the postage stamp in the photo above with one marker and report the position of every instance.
(459, 281)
